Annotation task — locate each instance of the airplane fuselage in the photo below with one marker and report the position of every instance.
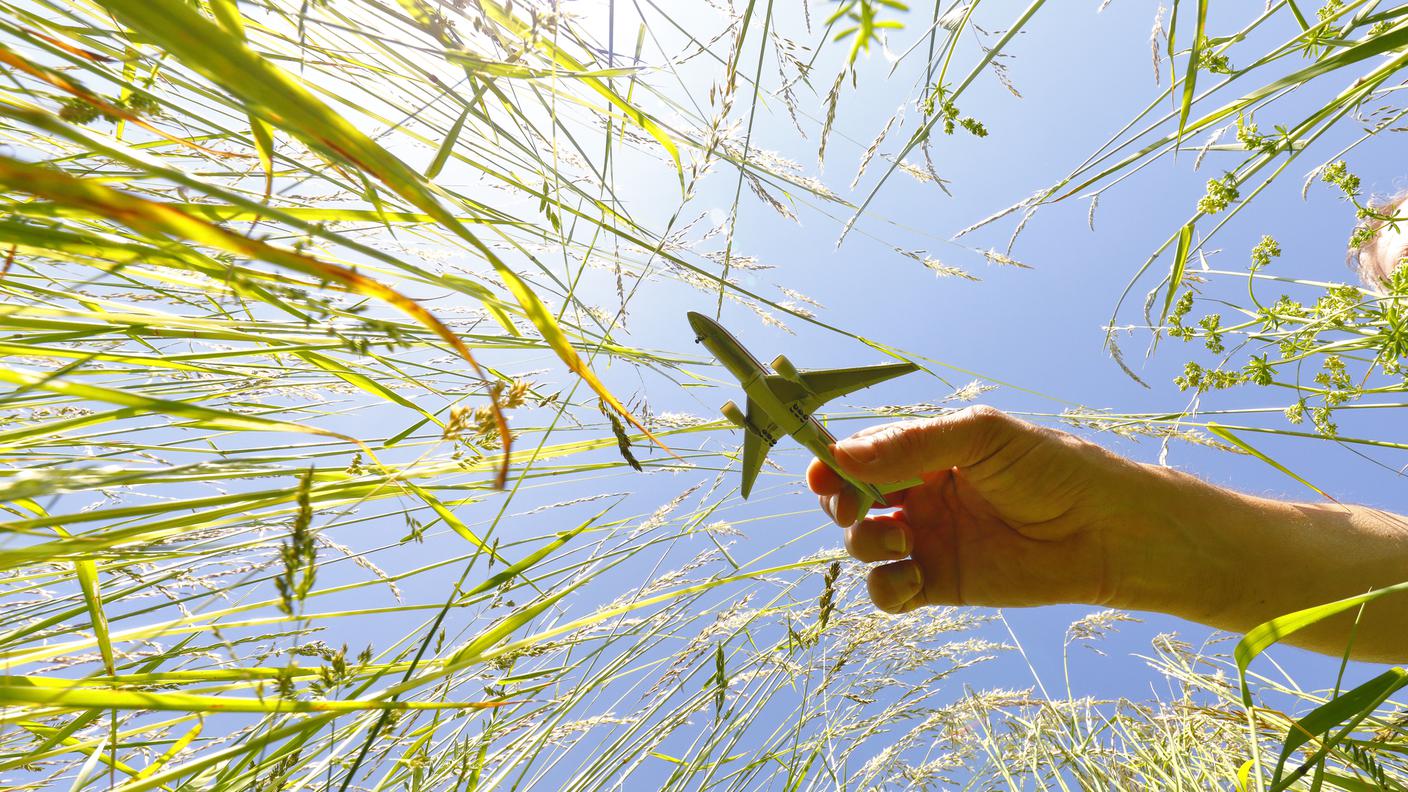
(751, 374)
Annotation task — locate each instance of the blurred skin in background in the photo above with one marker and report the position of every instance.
(1378, 258)
(1014, 514)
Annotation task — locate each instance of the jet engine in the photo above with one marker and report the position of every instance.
(783, 366)
(734, 414)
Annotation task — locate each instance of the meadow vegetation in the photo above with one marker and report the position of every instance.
(323, 415)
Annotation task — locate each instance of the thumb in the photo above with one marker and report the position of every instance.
(906, 450)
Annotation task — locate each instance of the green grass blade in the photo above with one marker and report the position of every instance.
(49, 692)
(1260, 638)
(442, 154)
(1195, 56)
(1350, 707)
(1226, 434)
(1180, 264)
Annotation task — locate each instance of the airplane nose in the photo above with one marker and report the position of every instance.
(699, 322)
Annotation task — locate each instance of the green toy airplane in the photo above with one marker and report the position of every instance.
(783, 403)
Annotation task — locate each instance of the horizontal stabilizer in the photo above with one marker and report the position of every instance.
(758, 437)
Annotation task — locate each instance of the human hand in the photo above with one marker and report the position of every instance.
(1008, 514)
(1013, 514)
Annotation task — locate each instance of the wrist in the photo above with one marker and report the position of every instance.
(1173, 552)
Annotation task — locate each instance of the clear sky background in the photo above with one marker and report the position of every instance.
(1082, 75)
(1037, 332)
(1033, 334)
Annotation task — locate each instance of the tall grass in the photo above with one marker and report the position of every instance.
(321, 427)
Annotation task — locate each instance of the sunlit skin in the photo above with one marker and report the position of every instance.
(1390, 245)
(1013, 514)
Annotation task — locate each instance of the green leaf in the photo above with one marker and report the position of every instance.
(456, 524)
(87, 574)
(532, 559)
(1260, 638)
(503, 17)
(521, 71)
(228, 62)
(1180, 263)
(1190, 77)
(1392, 41)
(199, 416)
(1300, 17)
(362, 381)
(1226, 434)
(442, 155)
(37, 691)
(176, 748)
(1350, 707)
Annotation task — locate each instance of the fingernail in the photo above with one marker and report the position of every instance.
(861, 450)
(903, 578)
(895, 540)
(915, 577)
(845, 520)
(897, 583)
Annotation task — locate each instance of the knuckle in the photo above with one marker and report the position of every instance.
(983, 415)
(986, 429)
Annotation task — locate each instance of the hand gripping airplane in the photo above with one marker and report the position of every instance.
(783, 403)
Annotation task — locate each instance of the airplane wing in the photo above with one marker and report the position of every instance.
(827, 384)
(755, 449)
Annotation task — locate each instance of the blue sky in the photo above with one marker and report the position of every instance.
(1082, 75)
(1036, 333)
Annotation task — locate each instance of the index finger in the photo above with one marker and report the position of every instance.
(913, 449)
(822, 480)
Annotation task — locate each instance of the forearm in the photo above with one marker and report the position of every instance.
(1238, 560)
